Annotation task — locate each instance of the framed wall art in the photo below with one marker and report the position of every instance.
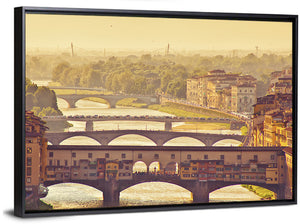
(122, 110)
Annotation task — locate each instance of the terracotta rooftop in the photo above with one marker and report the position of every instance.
(288, 150)
(217, 71)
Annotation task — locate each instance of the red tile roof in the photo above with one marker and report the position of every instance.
(288, 150)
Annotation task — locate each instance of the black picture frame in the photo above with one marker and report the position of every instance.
(19, 111)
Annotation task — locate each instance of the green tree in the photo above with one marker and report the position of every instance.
(49, 111)
(30, 101)
(45, 97)
(244, 130)
(58, 70)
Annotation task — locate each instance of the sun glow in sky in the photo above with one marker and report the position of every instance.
(99, 32)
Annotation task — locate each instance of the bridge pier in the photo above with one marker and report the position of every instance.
(71, 102)
(111, 193)
(89, 126)
(168, 126)
(33, 200)
(200, 192)
(236, 125)
(281, 192)
(112, 103)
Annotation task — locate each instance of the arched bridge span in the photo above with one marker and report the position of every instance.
(71, 99)
(158, 137)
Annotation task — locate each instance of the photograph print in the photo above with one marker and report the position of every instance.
(125, 111)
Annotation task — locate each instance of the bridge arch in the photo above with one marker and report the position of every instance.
(63, 103)
(139, 167)
(132, 140)
(133, 99)
(183, 141)
(270, 190)
(225, 142)
(102, 100)
(73, 192)
(78, 140)
(155, 167)
(155, 192)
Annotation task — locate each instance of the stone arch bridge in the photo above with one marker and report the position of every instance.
(200, 190)
(112, 100)
(158, 137)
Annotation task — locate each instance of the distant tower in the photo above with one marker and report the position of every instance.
(72, 50)
(256, 51)
(168, 49)
(234, 54)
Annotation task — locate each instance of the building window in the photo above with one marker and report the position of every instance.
(29, 161)
(205, 156)
(28, 180)
(66, 162)
(28, 171)
(73, 154)
(189, 156)
(156, 156)
(50, 162)
(140, 156)
(29, 140)
(272, 157)
(222, 157)
(90, 155)
(58, 162)
(29, 150)
(123, 155)
(106, 155)
(74, 163)
(172, 156)
(50, 154)
(255, 157)
(239, 157)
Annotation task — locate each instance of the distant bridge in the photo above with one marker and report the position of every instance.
(112, 100)
(158, 137)
(168, 120)
(77, 88)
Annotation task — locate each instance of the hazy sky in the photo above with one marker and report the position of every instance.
(98, 32)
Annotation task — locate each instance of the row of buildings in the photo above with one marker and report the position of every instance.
(272, 122)
(272, 117)
(85, 169)
(253, 170)
(224, 91)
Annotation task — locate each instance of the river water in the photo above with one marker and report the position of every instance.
(68, 195)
